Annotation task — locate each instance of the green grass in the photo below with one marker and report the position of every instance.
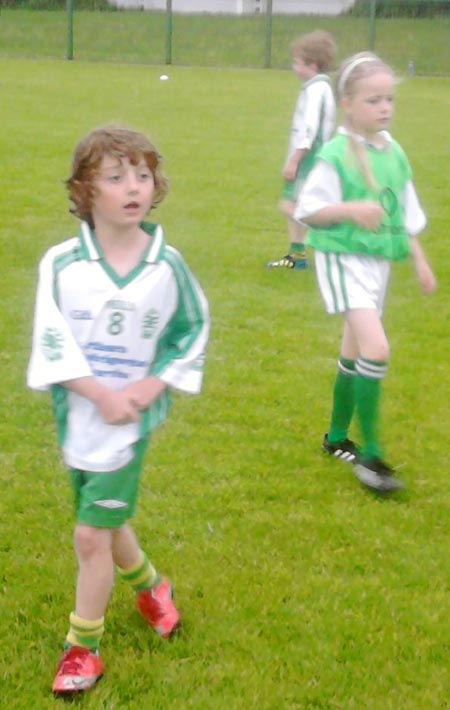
(219, 40)
(298, 588)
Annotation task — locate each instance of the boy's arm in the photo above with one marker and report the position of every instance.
(306, 122)
(114, 406)
(180, 355)
(144, 392)
(55, 355)
(291, 167)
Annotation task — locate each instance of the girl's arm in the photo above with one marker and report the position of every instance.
(415, 222)
(365, 213)
(423, 270)
(320, 202)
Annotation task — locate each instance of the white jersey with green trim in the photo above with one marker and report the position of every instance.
(314, 116)
(91, 322)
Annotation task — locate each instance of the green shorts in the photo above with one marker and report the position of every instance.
(107, 500)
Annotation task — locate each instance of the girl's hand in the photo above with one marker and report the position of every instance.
(426, 277)
(366, 213)
(424, 272)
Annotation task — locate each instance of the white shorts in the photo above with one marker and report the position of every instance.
(350, 281)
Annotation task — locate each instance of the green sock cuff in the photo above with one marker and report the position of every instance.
(141, 575)
(371, 369)
(297, 247)
(346, 365)
(85, 632)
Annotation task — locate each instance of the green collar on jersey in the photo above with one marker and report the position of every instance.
(385, 135)
(92, 250)
(316, 77)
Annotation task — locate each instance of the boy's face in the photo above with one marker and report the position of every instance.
(303, 70)
(123, 192)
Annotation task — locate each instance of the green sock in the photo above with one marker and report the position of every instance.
(141, 575)
(368, 381)
(297, 249)
(343, 400)
(84, 632)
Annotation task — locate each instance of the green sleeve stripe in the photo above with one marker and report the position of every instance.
(188, 320)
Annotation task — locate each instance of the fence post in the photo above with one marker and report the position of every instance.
(372, 12)
(69, 11)
(268, 46)
(168, 31)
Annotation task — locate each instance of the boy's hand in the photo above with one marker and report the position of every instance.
(290, 169)
(144, 392)
(366, 213)
(116, 407)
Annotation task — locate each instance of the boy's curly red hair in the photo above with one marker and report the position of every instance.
(121, 143)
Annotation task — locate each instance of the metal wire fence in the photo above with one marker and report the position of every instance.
(413, 35)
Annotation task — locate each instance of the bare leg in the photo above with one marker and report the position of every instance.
(93, 547)
(296, 231)
(364, 335)
(349, 344)
(125, 547)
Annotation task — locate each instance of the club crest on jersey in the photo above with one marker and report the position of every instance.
(389, 201)
(52, 342)
(149, 323)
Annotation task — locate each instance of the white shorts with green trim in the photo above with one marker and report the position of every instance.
(351, 281)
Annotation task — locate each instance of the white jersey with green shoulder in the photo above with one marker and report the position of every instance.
(313, 120)
(91, 322)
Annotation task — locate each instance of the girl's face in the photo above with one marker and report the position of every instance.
(123, 192)
(370, 106)
(303, 70)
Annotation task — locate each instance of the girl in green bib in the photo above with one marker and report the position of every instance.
(363, 213)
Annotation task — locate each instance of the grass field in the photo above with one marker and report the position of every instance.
(219, 40)
(298, 588)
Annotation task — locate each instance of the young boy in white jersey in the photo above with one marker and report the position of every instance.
(313, 121)
(119, 319)
(364, 213)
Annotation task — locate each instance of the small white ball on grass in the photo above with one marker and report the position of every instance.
(164, 77)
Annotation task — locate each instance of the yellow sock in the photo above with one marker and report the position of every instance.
(84, 632)
(141, 575)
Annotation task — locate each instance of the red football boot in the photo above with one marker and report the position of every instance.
(157, 607)
(78, 669)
